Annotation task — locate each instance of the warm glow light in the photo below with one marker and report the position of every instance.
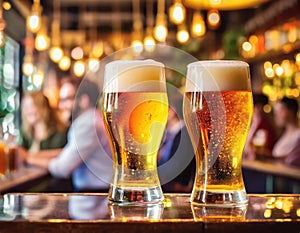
(268, 213)
(177, 13)
(149, 44)
(215, 2)
(182, 36)
(267, 64)
(56, 54)
(98, 49)
(160, 32)
(279, 71)
(38, 79)
(2, 38)
(213, 18)
(65, 63)
(6, 6)
(222, 4)
(42, 42)
(267, 108)
(27, 68)
(137, 46)
(269, 72)
(79, 68)
(77, 53)
(34, 23)
(247, 46)
(297, 57)
(2, 35)
(93, 64)
(198, 25)
(34, 20)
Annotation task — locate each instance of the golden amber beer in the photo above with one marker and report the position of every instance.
(217, 110)
(135, 112)
(3, 159)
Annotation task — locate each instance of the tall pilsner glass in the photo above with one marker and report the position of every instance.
(135, 110)
(218, 109)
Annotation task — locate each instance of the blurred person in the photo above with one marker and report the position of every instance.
(288, 145)
(176, 133)
(41, 128)
(86, 157)
(66, 101)
(262, 136)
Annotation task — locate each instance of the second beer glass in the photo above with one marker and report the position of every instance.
(217, 111)
(135, 111)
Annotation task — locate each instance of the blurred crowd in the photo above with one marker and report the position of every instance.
(70, 140)
(276, 135)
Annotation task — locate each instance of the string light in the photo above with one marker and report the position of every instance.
(160, 30)
(6, 5)
(27, 68)
(149, 42)
(93, 64)
(177, 12)
(198, 25)
(79, 68)
(213, 18)
(56, 54)
(64, 63)
(182, 34)
(77, 53)
(33, 21)
(42, 40)
(137, 46)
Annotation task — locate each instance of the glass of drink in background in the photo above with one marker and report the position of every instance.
(3, 158)
(135, 112)
(218, 109)
(11, 157)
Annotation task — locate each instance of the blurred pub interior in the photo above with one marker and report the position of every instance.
(42, 41)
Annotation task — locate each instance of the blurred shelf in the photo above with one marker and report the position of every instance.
(285, 52)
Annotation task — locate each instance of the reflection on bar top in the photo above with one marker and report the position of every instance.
(175, 208)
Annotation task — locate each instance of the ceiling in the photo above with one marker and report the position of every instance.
(78, 18)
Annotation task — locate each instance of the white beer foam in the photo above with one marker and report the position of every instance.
(218, 75)
(134, 75)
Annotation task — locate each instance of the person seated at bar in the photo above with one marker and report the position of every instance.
(262, 136)
(86, 156)
(176, 142)
(288, 145)
(41, 128)
(66, 101)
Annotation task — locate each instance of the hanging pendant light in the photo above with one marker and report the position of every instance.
(213, 18)
(198, 25)
(182, 34)
(33, 21)
(177, 12)
(149, 42)
(161, 30)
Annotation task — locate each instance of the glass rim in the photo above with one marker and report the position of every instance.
(219, 63)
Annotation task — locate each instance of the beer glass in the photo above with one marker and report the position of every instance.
(218, 110)
(3, 159)
(135, 112)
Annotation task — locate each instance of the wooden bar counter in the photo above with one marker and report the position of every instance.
(29, 212)
(22, 179)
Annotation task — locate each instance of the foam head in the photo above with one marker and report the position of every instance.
(218, 75)
(136, 75)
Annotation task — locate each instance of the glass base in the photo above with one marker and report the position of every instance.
(126, 196)
(220, 198)
(219, 213)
